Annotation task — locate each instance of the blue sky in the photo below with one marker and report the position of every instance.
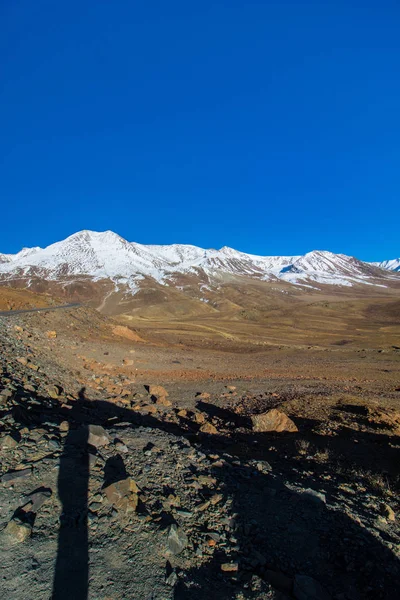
(271, 127)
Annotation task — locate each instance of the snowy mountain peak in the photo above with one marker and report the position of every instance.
(106, 255)
(390, 265)
(25, 252)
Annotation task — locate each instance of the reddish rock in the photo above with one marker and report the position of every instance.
(203, 396)
(199, 418)
(148, 408)
(273, 420)
(208, 428)
(123, 495)
(157, 391)
(163, 401)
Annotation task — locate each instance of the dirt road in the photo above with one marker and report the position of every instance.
(12, 313)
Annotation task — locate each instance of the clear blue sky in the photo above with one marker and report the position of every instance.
(271, 127)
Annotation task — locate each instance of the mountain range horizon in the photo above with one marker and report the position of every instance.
(23, 250)
(104, 268)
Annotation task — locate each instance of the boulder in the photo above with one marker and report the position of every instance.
(177, 539)
(388, 512)
(121, 447)
(33, 366)
(147, 409)
(208, 428)
(203, 396)
(199, 417)
(158, 391)
(36, 499)
(123, 495)
(97, 436)
(10, 441)
(5, 396)
(16, 532)
(273, 420)
(12, 476)
(54, 391)
(216, 499)
(163, 401)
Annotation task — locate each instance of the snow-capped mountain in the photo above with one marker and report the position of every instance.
(108, 256)
(390, 265)
(331, 269)
(24, 253)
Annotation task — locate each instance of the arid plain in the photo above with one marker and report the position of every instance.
(240, 512)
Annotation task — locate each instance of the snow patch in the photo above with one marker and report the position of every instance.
(106, 255)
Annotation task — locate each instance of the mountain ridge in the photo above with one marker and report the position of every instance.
(107, 255)
(390, 265)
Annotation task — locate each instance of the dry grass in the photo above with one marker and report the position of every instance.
(15, 299)
(323, 455)
(303, 447)
(379, 483)
(376, 483)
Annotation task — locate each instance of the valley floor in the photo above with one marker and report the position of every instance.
(112, 489)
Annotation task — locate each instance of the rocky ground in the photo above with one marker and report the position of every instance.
(116, 485)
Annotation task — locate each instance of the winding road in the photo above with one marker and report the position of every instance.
(11, 313)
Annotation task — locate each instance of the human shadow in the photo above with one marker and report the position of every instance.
(71, 573)
(72, 563)
(276, 527)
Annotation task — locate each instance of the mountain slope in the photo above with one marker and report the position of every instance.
(107, 256)
(390, 265)
(330, 269)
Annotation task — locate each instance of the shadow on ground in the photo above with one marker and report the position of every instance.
(280, 524)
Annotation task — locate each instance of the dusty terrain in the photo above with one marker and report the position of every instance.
(12, 299)
(203, 505)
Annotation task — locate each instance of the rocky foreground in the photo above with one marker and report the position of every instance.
(228, 495)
